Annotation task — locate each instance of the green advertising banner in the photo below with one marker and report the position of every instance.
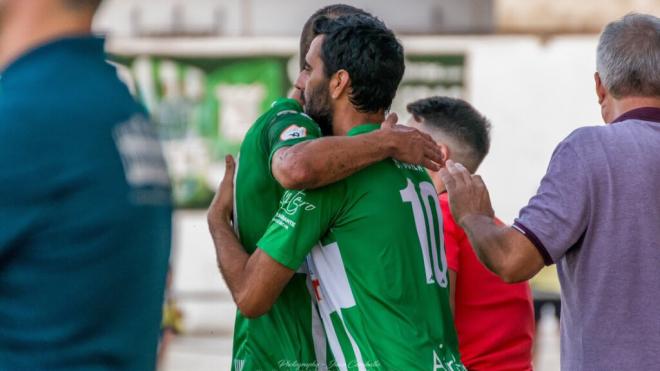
(204, 106)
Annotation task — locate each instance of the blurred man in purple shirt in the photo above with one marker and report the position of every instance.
(596, 214)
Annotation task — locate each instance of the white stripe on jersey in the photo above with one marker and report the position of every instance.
(329, 268)
(326, 265)
(356, 350)
(319, 338)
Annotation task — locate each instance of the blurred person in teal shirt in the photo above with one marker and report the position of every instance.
(85, 210)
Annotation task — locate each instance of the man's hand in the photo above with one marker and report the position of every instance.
(222, 206)
(410, 145)
(468, 195)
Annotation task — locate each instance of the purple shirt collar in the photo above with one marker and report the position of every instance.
(644, 114)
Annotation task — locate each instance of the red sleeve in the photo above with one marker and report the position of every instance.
(453, 234)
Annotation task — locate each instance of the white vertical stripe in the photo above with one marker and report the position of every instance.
(333, 340)
(332, 275)
(356, 350)
(326, 264)
(318, 336)
(325, 310)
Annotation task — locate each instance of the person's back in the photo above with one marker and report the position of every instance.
(256, 280)
(596, 213)
(379, 274)
(85, 211)
(609, 276)
(257, 198)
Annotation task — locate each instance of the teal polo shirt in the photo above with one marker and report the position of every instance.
(85, 215)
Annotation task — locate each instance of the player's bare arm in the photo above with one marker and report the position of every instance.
(315, 163)
(255, 281)
(502, 249)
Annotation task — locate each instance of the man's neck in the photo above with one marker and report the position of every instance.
(343, 120)
(29, 27)
(437, 182)
(618, 107)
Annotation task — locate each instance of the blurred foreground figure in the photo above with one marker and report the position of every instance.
(494, 320)
(85, 213)
(596, 214)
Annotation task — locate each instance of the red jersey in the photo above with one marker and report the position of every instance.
(494, 320)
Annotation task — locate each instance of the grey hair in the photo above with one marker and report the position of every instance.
(628, 56)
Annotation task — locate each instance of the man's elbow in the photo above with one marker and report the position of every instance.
(511, 277)
(251, 312)
(294, 176)
(252, 307)
(511, 272)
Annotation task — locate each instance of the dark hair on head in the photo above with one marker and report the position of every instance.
(457, 119)
(331, 11)
(370, 53)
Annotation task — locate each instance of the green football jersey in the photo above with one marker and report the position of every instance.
(281, 339)
(375, 251)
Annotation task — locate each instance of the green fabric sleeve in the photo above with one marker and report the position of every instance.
(303, 218)
(289, 128)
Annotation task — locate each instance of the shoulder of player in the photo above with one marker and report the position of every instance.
(283, 114)
(414, 170)
(390, 171)
(283, 104)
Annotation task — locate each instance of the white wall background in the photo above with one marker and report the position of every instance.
(286, 17)
(535, 91)
(535, 94)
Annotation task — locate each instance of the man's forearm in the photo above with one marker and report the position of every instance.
(323, 161)
(502, 249)
(486, 239)
(231, 258)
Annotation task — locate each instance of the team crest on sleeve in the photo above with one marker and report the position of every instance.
(293, 132)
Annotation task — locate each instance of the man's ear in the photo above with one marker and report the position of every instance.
(340, 83)
(601, 91)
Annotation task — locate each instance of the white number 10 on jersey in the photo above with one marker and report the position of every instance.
(429, 239)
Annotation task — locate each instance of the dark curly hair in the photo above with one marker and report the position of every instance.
(364, 47)
(331, 11)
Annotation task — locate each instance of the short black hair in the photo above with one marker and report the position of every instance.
(331, 11)
(370, 53)
(457, 119)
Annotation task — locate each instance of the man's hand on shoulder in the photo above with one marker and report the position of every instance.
(468, 195)
(410, 145)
